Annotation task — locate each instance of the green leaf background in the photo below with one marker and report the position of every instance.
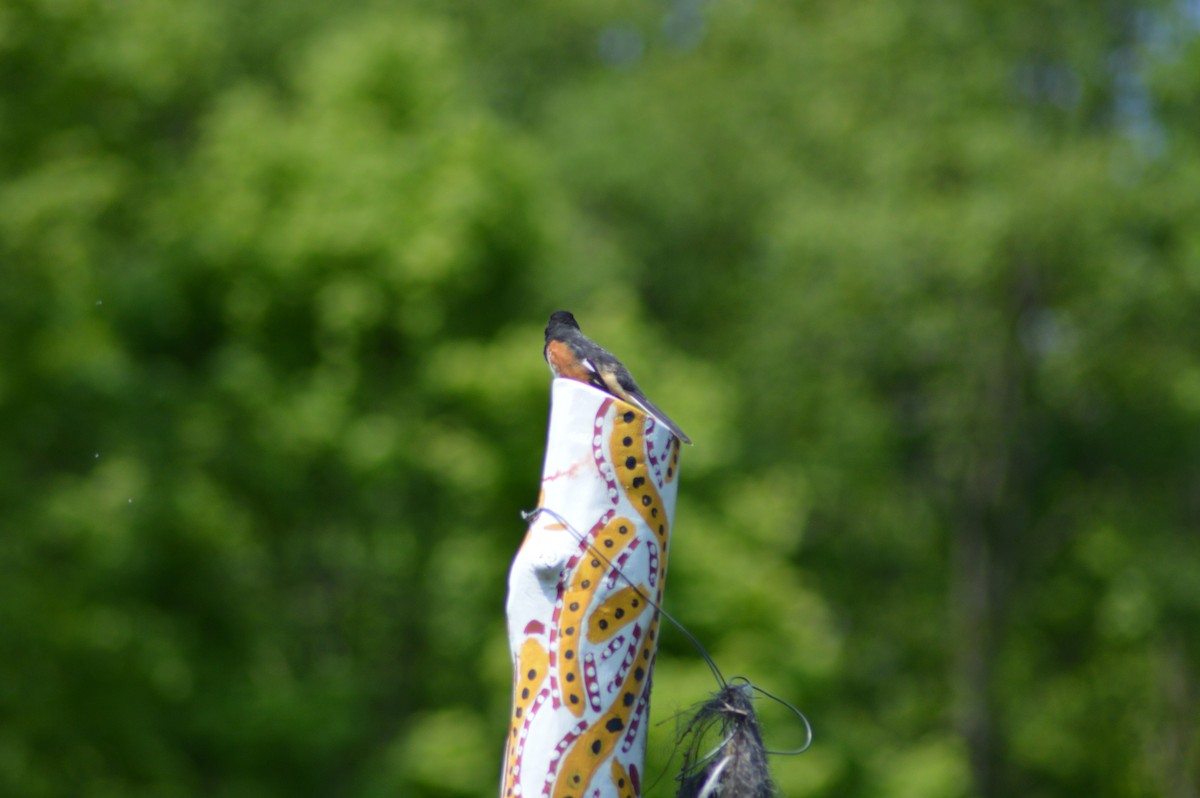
(921, 279)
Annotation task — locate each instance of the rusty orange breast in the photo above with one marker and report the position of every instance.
(563, 361)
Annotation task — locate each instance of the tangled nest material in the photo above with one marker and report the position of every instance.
(737, 766)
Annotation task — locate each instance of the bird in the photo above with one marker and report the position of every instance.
(573, 355)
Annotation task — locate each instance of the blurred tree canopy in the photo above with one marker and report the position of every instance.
(921, 278)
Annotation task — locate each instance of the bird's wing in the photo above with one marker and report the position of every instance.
(610, 380)
(615, 379)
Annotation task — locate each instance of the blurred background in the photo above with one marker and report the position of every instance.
(922, 280)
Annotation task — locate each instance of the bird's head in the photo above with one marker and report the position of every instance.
(560, 319)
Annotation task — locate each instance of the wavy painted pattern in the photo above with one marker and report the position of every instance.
(585, 715)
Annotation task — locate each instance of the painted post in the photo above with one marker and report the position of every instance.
(583, 637)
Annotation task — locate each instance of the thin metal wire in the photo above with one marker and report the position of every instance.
(529, 515)
(808, 730)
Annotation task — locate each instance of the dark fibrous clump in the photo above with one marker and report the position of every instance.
(724, 755)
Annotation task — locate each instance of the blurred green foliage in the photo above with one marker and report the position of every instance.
(921, 278)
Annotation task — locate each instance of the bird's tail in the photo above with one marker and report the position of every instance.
(638, 398)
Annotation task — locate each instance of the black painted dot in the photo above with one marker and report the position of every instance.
(585, 584)
(525, 693)
(531, 675)
(570, 677)
(624, 530)
(608, 543)
(645, 653)
(596, 747)
(639, 674)
(654, 512)
(595, 563)
(639, 481)
(621, 783)
(670, 472)
(653, 632)
(620, 613)
(628, 416)
(627, 441)
(570, 630)
(661, 529)
(631, 462)
(574, 606)
(569, 654)
(603, 624)
(646, 500)
(520, 711)
(636, 603)
(574, 699)
(628, 699)
(575, 778)
(615, 725)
